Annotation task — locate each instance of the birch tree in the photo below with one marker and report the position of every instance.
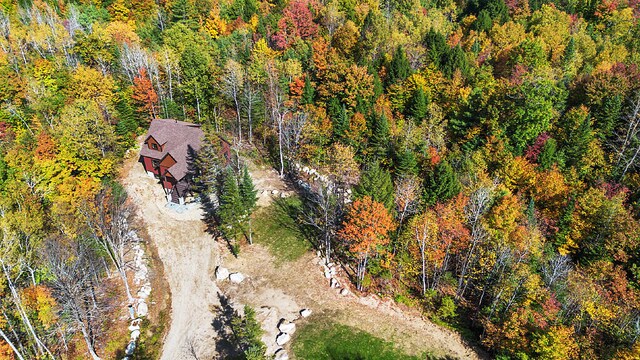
(106, 218)
(233, 80)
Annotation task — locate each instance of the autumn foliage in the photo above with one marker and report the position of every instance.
(365, 232)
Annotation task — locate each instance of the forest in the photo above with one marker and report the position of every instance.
(479, 159)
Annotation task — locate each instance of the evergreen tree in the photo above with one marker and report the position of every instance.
(250, 7)
(607, 116)
(455, 59)
(547, 156)
(531, 213)
(338, 115)
(569, 52)
(406, 164)
(399, 69)
(436, 44)
(379, 143)
(248, 195)
(308, 92)
(376, 182)
(231, 212)
(180, 10)
(442, 184)
(127, 124)
(484, 21)
(247, 334)
(578, 144)
(419, 106)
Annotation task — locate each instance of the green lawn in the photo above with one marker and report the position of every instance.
(325, 340)
(275, 227)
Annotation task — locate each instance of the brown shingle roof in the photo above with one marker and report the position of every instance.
(176, 138)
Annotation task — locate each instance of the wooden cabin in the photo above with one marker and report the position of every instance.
(167, 153)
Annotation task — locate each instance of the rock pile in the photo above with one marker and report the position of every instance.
(139, 307)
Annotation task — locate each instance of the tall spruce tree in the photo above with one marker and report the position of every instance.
(308, 92)
(376, 182)
(399, 69)
(405, 164)
(231, 212)
(419, 106)
(442, 184)
(248, 195)
(379, 142)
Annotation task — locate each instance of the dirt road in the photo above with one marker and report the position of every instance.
(187, 253)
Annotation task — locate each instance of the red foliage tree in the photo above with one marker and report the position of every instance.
(296, 22)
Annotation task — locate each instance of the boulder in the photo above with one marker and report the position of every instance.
(305, 313)
(334, 283)
(236, 278)
(274, 192)
(282, 339)
(287, 327)
(281, 354)
(143, 309)
(222, 273)
(135, 334)
(344, 292)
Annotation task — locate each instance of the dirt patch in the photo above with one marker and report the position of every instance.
(284, 290)
(188, 254)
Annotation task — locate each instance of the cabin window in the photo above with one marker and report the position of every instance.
(154, 146)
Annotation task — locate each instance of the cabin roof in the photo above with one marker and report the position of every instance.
(178, 139)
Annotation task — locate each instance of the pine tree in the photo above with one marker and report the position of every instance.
(250, 7)
(379, 143)
(437, 45)
(406, 164)
(338, 115)
(455, 59)
(419, 106)
(308, 92)
(547, 156)
(399, 69)
(230, 211)
(247, 333)
(607, 116)
(127, 124)
(442, 184)
(376, 182)
(249, 198)
(206, 170)
(484, 21)
(578, 144)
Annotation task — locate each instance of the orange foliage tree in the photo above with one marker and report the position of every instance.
(144, 93)
(365, 230)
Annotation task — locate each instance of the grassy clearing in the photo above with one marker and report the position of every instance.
(326, 340)
(275, 226)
